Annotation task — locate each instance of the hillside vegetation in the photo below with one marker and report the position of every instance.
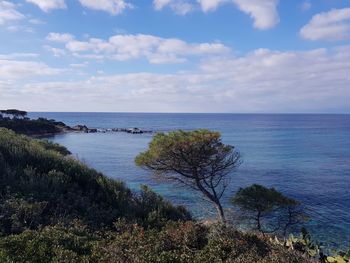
(27, 126)
(35, 175)
(53, 208)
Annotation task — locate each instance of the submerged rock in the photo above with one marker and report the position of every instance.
(134, 131)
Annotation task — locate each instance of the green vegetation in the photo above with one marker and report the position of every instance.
(176, 242)
(260, 204)
(17, 121)
(195, 159)
(40, 186)
(306, 245)
(55, 209)
(14, 113)
(54, 147)
(341, 257)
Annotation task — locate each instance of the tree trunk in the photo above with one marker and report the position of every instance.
(212, 198)
(221, 214)
(258, 220)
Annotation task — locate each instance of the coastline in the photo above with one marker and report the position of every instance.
(119, 147)
(288, 152)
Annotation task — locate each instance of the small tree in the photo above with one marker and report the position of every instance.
(196, 159)
(15, 113)
(291, 215)
(260, 203)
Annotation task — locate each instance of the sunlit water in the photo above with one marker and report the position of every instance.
(307, 157)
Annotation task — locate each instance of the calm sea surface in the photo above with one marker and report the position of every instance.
(304, 156)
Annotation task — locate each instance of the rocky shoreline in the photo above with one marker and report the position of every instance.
(18, 121)
(85, 129)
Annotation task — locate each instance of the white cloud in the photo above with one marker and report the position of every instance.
(180, 7)
(22, 28)
(48, 5)
(18, 55)
(57, 37)
(79, 65)
(57, 52)
(210, 5)
(160, 4)
(17, 69)
(12, 19)
(330, 26)
(155, 49)
(113, 7)
(8, 13)
(264, 12)
(261, 81)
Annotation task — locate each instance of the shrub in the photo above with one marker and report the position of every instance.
(50, 244)
(37, 172)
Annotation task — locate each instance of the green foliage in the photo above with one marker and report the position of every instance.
(260, 203)
(48, 145)
(260, 198)
(15, 113)
(307, 246)
(155, 211)
(38, 175)
(55, 209)
(50, 244)
(304, 244)
(189, 242)
(182, 242)
(195, 147)
(195, 159)
(27, 126)
(18, 215)
(340, 257)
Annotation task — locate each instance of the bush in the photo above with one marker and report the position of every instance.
(43, 191)
(189, 242)
(18, 215)
(32, 127)
(38, 172)
(155, 211)
(50, 244)
(54, 147)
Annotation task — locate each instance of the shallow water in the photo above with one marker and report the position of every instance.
(306, 157)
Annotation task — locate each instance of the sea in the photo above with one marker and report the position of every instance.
(305, 156)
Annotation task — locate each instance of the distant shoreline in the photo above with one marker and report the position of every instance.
(189, 113)
(43, 127)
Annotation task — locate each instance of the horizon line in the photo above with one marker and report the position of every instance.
(237, 113)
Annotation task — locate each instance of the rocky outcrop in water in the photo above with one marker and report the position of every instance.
(85, 129)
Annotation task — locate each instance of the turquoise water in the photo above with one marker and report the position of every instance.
(304, 156)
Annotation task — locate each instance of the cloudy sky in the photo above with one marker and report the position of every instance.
(175, 55)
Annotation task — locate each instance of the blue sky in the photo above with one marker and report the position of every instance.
(175, 55)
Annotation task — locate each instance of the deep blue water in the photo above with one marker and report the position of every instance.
(306, 157)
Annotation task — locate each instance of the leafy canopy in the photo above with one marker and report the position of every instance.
(196, 159)
(14, 112)
(259, 202)
(260, 198)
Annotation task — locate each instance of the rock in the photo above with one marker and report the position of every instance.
(134, 131)
(92, 130)
(84, 128)
(81, 128)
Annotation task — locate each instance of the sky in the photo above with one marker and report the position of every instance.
(230, 56)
